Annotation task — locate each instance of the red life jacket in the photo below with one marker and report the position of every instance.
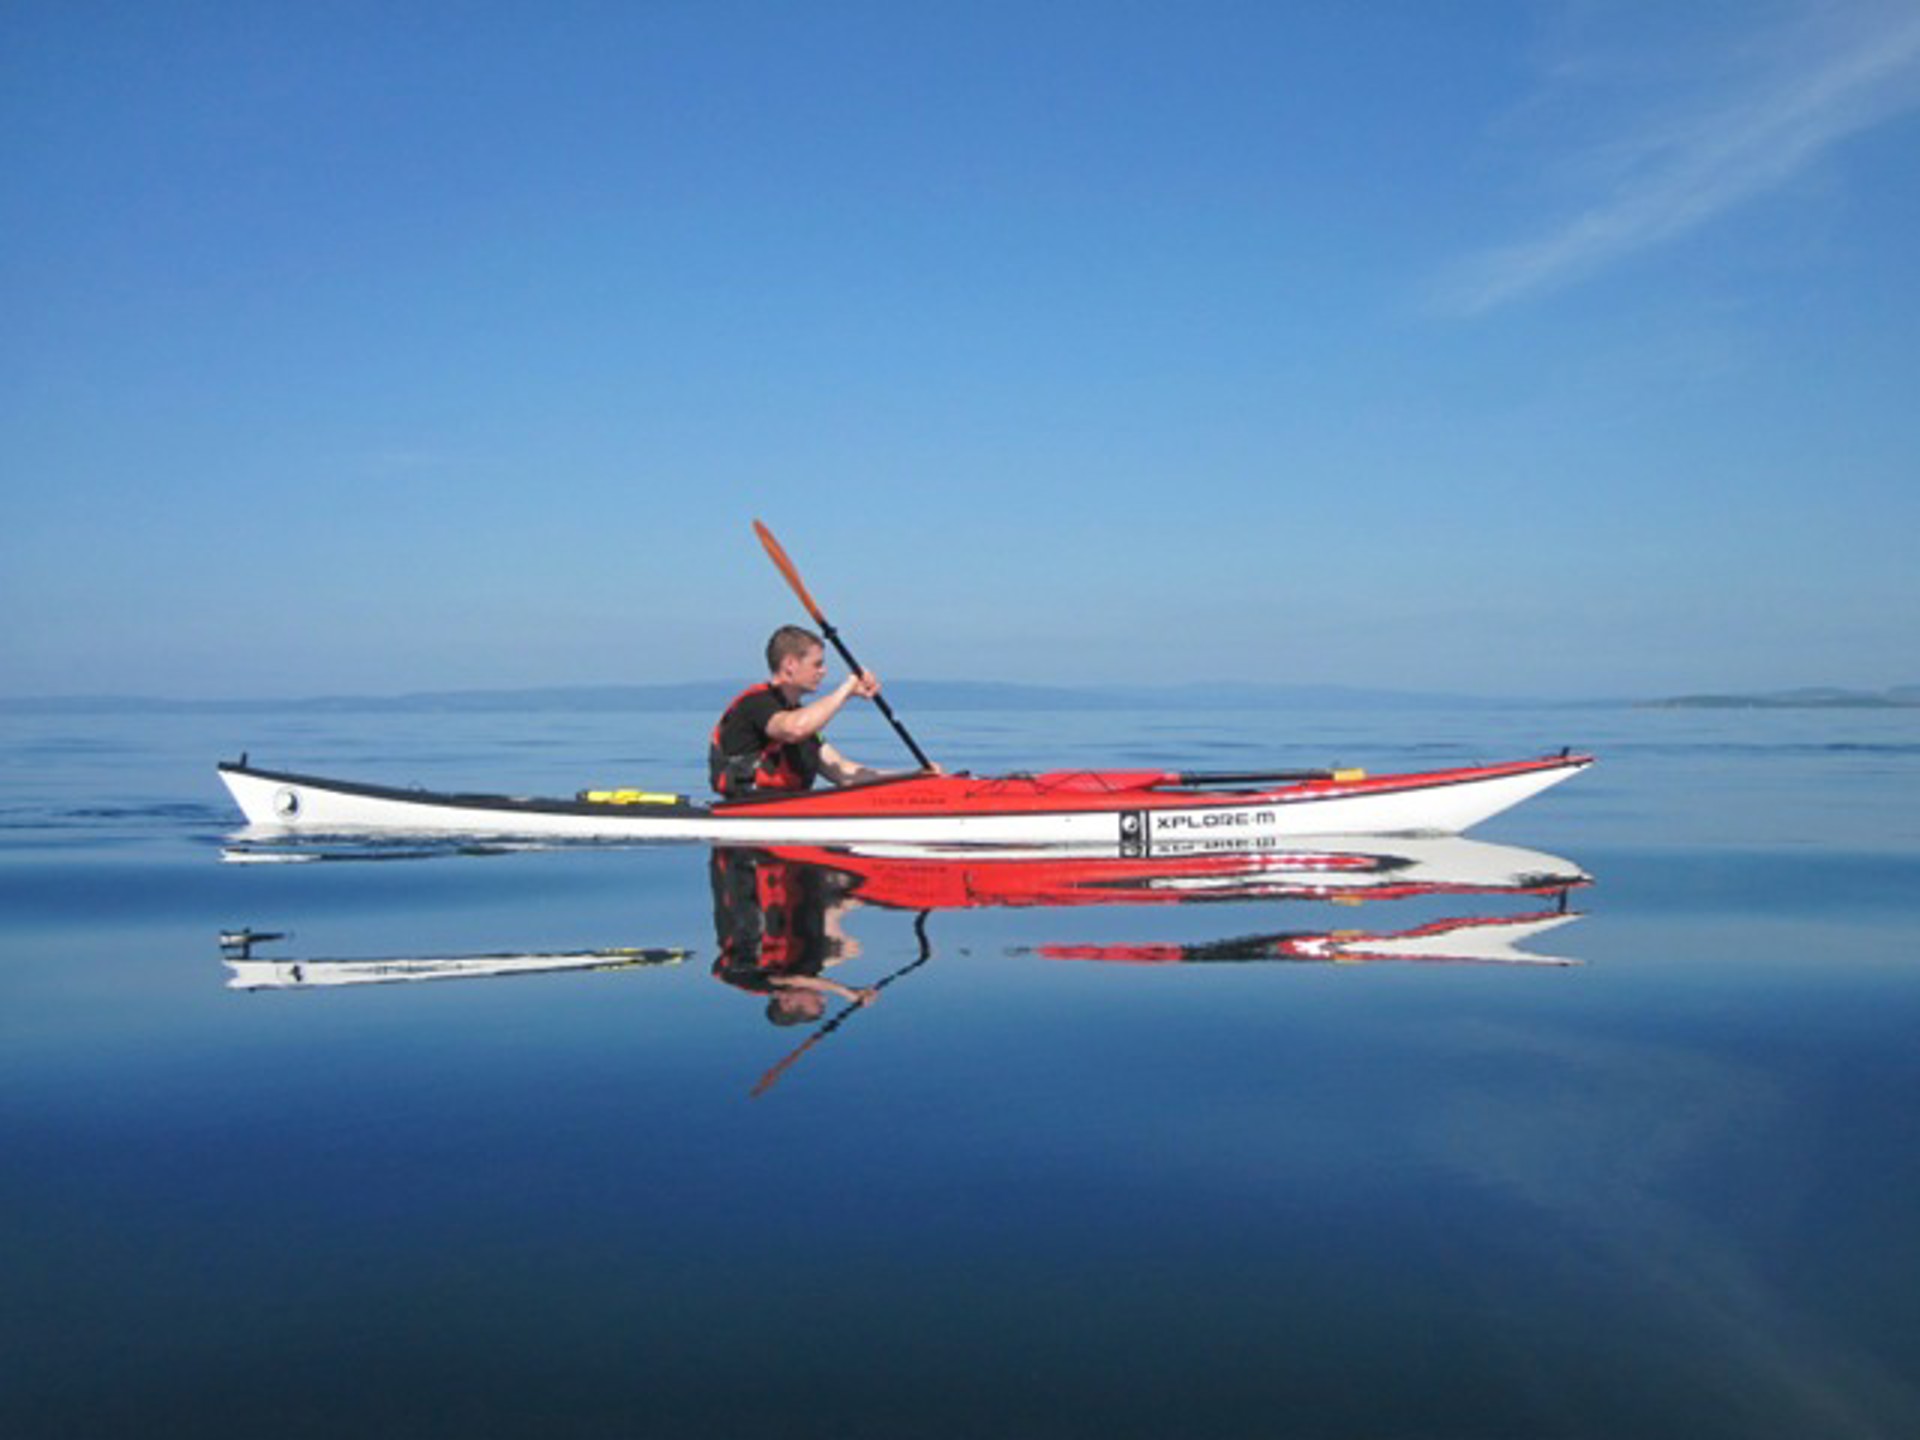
(775, 766)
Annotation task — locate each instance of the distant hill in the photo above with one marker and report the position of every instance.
(1899, 697)
(709, 696)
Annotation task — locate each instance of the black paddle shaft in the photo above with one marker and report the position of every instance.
(1249, 777)
(854, 665)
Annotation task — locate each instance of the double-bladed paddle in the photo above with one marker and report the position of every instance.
(786, 567)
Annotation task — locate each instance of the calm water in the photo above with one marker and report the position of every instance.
(1668, 1190)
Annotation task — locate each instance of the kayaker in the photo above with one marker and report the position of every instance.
(772, 738)
(777, 928)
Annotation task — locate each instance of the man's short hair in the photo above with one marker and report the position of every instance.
(789, 640)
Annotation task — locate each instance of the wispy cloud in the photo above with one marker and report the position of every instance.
(1757, 110)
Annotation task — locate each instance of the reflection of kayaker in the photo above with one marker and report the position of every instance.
(860, 999)
(777, 927)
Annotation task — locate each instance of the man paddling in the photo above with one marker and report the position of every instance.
(770, 738)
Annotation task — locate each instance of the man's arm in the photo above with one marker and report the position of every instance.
(842, 771)
(791, 726)
(865, 994)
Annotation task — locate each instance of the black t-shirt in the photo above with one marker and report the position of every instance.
(743, 736)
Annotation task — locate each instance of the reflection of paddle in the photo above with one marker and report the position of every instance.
(772, 1077)
(787, 568)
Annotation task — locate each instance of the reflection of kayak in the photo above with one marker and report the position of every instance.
(1329, 867)
(1141, 810)
(1485, 940)
(251, 974)
(777, 912)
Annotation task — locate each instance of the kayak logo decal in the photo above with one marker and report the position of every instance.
(286, 803)
(1175, 822)
(1133, 833)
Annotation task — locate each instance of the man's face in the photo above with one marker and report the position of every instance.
(806, 670)
(801, 1005)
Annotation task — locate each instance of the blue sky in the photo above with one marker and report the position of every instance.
(1516, 348)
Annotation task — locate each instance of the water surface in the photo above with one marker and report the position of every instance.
(1099, 1169)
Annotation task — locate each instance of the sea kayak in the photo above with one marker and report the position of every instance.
(1140, 811)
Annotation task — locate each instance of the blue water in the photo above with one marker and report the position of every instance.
(1667, 1190)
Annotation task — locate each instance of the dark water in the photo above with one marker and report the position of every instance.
(1037, 1187)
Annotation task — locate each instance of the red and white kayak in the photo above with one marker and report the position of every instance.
(1341, 868)
(1141, 812)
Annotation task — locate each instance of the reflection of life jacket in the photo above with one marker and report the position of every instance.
(773, 766)
(769, 918)
(773, 906)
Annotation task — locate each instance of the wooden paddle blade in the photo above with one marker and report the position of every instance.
(786, 568)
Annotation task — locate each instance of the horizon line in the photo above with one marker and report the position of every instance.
(1103, 689)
